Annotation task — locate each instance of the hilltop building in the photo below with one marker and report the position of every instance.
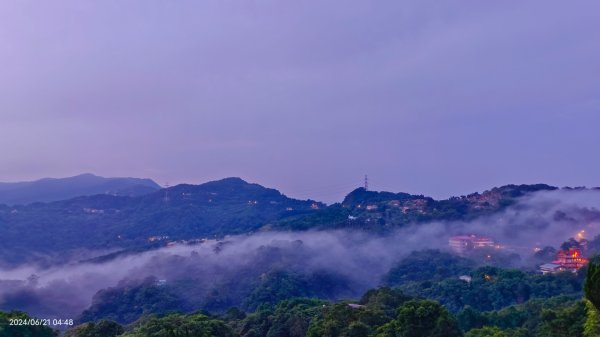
(570, 260)
(462, 244)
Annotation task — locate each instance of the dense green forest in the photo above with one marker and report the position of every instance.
(389, 312)
(381, 312)
(429, 274)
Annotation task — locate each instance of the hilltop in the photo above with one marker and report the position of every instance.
(382, 211)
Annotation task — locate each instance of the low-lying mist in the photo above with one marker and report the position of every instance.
(359, 258)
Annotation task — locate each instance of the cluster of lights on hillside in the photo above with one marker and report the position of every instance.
(570, 259)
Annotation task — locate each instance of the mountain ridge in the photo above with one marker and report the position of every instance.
(56, 189)
(218, 208)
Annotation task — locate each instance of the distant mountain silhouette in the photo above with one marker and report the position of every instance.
(52, 189)
(217, 208)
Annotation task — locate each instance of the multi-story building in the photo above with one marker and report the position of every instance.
(462, 244)
(570, 260)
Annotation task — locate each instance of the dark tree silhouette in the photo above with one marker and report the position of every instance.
(592, 284)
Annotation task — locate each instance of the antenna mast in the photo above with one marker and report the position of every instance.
(366, 183)
(166, 199)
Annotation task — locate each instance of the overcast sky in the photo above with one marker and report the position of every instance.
(430, 97)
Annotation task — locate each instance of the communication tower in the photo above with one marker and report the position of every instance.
(166, 198)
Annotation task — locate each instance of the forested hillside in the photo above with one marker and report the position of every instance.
(381, 312)
(228, 206)
(215, 209)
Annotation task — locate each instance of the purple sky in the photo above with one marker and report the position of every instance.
(305, 96)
